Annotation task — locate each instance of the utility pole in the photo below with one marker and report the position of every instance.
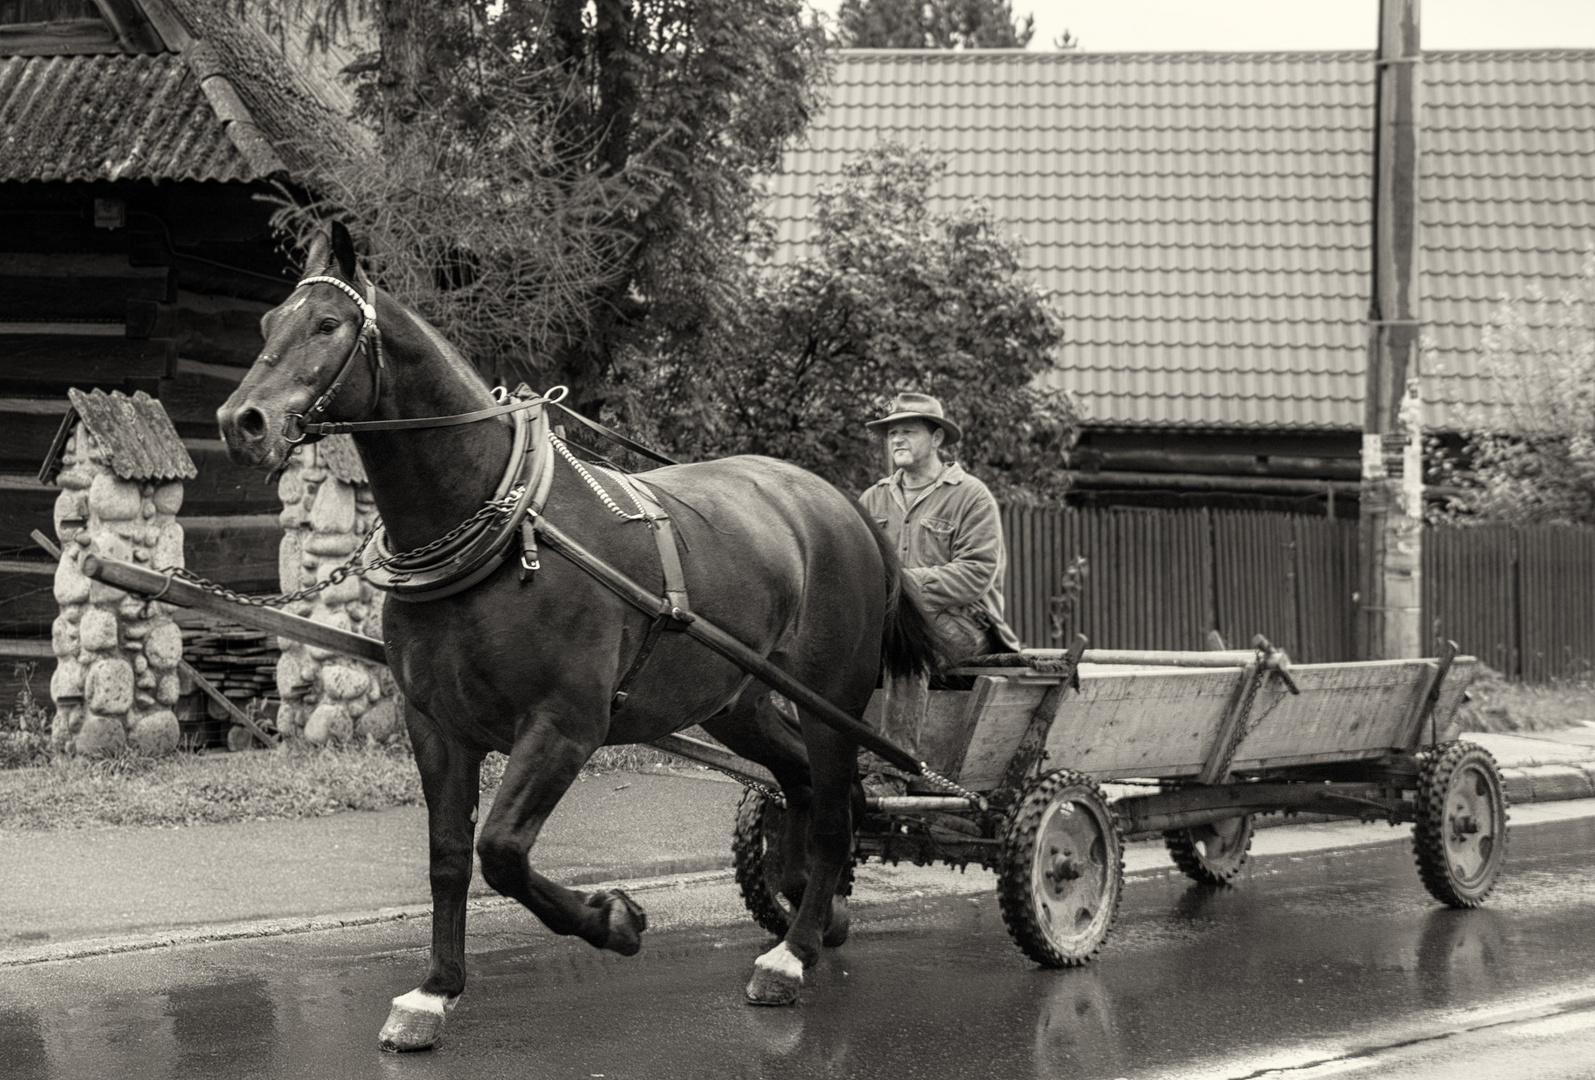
(1390, 528)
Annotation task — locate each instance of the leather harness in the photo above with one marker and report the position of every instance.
(445, 569)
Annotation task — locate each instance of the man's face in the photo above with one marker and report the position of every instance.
(912, 443)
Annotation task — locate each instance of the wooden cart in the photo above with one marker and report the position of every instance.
(1213, 738)
(1208, 741)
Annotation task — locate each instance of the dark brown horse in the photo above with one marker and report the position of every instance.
(772, 554)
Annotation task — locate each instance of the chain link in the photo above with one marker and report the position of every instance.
(353, 566)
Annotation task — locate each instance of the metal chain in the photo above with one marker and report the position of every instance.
(938, 780)
(353, 565)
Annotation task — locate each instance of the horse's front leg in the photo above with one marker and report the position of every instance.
(548, 753)
(778, 974)
(450, 779)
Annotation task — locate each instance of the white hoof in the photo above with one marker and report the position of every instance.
(777, 977)
(416, 1021)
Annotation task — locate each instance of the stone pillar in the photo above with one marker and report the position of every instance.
(116, 675)
(327, 512)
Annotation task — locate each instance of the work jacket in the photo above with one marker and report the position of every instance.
(949, 540)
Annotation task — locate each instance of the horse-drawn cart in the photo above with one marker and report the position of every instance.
(1209, 740)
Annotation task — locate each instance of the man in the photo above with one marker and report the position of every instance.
(947, 530)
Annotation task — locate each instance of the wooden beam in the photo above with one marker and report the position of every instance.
(1211, 482)
(172, 590)
(27, 649)
(40, 360)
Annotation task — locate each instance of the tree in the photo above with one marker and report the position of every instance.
(552, 179)
(894, 297)
(932, 24)
(1532, 460)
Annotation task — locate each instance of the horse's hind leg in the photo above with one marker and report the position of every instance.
(542, 765)
(450, 775)
(778, 974)
(757, 730)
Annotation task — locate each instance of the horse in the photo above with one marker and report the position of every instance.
(528, 662)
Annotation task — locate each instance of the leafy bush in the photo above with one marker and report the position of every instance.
(1531, 461)
(25, 727)
(896, 296)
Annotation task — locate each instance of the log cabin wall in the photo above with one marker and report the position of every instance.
(135, 254)
(168, 302)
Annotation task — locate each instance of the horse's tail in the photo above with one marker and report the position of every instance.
(908, 644)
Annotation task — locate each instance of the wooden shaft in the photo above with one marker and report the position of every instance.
(125, 575)
(1233, 658)
(717, 757)
(700, 629)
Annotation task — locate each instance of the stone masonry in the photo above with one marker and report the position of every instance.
(327, 513)
(120, 467)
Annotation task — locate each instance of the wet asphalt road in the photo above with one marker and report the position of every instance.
(1321, 963)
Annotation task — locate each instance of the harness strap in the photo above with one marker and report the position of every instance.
(346, 427)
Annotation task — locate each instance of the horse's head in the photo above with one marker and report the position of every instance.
(313, 341)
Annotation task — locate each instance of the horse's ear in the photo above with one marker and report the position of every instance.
(343, 250)
(316, 258)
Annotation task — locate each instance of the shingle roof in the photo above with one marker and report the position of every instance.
(214, 100)
(110, 118)
(1204, 218)
(135, 434)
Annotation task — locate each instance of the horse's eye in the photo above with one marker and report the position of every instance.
(327, 326)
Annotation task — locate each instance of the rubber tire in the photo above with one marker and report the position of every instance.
(1442, 781)
(756, 858)
(1207, 867)
(1019, 878)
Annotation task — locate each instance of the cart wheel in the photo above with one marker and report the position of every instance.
(1460, 833)
(1213, 853)
(756, 856)
(1062, 870)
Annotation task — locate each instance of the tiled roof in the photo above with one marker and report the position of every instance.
(1204, 218)
(110, 118)
(214, 99)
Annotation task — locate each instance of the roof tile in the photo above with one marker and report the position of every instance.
(1203, 218)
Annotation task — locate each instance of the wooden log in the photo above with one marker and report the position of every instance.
(26, 649)
(32, 362)
(76, 287)
(27, 434)
(238, 551)
(223, 489)
(1263, 465)
(1210, 482)
(172, 590)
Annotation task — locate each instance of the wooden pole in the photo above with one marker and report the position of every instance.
(1390, 528)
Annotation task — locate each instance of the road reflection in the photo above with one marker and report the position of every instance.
(1320, 947)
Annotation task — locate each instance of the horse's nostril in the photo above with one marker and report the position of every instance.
(252, 423)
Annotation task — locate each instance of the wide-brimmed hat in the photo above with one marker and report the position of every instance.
(910, 406)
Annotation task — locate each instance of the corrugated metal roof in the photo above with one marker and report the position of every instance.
(1203, 218)
(135, 432)
(110, 118)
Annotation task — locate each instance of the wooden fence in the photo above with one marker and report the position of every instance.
(1521, 599)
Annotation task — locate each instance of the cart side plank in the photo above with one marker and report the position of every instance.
(1347, 708)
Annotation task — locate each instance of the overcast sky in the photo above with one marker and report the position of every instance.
(1246, 25)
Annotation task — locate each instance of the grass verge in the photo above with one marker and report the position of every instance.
(1498, 705)
(295, 781)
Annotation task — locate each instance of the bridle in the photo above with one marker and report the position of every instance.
(368, 342)
(301, 428)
